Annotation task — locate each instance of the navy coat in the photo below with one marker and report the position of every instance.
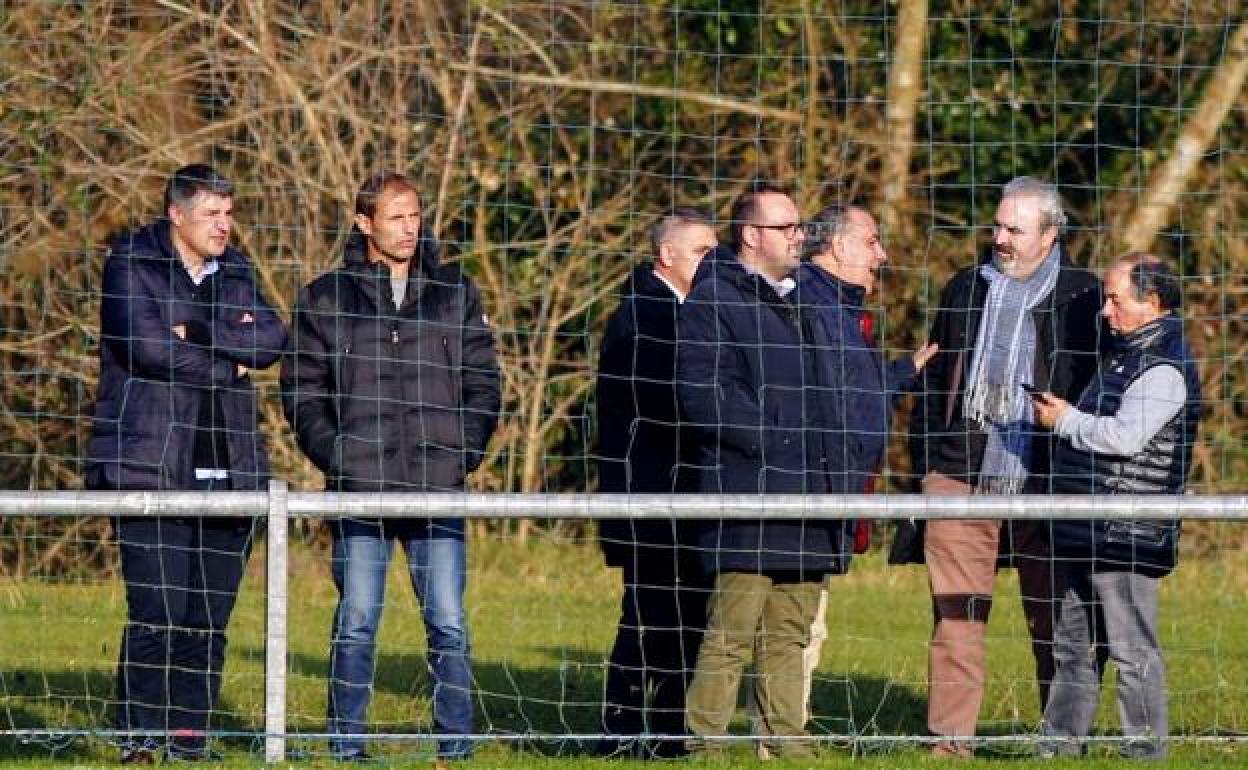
(639, 429)
(749, 381)
(152, 383)
(860, 385)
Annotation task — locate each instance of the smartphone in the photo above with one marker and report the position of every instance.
(1033, 391)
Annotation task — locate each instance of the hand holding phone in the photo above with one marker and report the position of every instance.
(1035, 393)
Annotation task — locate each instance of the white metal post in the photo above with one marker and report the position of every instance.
(275, 625)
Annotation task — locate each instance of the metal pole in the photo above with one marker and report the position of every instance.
(275, 624)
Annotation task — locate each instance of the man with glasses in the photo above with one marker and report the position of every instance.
(748, 380)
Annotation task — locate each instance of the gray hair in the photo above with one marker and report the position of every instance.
(830, 222)
(1045, 195)
(189, 181)
(669, 223)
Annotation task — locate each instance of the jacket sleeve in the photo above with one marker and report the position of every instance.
(900, 375)
(257, 344)
(715, 398)
(927, 420)
(481, 390)
(307, 383)
(131, 323)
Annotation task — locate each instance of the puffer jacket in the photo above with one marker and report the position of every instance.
(153, 384)
(390, 400)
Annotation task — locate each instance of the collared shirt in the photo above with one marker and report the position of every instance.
(1151, 401)
(208, 268)
(781, 287)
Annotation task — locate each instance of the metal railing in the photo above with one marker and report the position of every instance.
(278, 505)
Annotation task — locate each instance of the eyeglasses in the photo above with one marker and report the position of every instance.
(788, 230)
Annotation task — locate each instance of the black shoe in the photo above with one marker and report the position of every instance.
(138, 756)
(665, 748)
(193, 755)
(618, 748)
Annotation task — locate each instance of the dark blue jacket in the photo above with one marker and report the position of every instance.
(748, 377)
(639, 431)
(859, 384)
(152, 383)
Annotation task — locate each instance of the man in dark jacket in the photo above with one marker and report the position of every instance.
(845, 254)
(1131, 432)
(182, 322)
(664, 603)
(748, 377)
(1025, 317)
(391, 385)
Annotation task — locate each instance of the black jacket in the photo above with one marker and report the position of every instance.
(1068, 338)
(153, 385)
(749, 381)
(391, 400)
(639, 431)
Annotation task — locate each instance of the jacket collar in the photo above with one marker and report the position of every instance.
(644, 282)
(724, 262)
(847, 293)
(1150, 333)
(374, 274)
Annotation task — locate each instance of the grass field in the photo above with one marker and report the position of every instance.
(542, 619)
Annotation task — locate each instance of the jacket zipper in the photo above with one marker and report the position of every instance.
(396, 343)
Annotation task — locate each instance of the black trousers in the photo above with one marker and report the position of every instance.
(662, 615)
(182, 577)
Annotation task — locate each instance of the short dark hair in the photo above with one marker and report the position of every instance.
(377, 184)
(745, 207)
(830, 222)
(1149, 274)
(189, 181)
(681, 216)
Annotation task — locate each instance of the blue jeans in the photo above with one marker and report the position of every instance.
(361, 556)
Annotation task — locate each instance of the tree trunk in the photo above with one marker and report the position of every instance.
(1169, 180)
(904, 87)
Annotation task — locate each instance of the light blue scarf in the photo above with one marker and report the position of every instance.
(1002, 362)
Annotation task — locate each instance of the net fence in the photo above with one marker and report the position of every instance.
(545, 141)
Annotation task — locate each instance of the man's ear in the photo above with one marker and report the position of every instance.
(1051, 235)
(176, 215)
(665, 257)
(365, 223)
(749, 236)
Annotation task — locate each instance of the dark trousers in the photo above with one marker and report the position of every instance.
(662, 615)
(182, 576)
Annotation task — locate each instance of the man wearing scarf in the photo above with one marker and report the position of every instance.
(1024, 317)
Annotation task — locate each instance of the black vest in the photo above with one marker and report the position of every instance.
(1161, 467)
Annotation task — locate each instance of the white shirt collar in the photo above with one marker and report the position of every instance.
(680, 295)
(210, 266)
(782, 286)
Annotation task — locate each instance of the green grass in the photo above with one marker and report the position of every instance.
(542, 617)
